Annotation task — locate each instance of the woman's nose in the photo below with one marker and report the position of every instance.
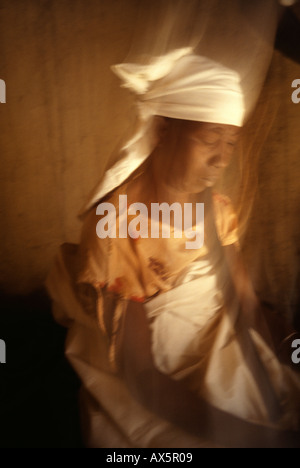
(221, 157)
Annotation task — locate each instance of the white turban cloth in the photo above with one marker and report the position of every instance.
(180, 85)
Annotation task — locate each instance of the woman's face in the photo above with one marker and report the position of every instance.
(196, 153)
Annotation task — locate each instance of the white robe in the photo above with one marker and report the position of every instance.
(111, 417)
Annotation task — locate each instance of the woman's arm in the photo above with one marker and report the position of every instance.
(251, 308)
(271, 326)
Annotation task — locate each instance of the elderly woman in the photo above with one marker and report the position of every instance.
(170, 341)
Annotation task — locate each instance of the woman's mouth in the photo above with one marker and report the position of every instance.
(209, 181)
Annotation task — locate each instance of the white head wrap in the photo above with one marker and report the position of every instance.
(179, 85)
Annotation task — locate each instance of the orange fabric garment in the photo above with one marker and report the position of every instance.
(136, 269)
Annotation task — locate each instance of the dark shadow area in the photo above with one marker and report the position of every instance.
(288, 35)
(38, 388)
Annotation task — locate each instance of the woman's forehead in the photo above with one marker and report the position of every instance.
(195, 127)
